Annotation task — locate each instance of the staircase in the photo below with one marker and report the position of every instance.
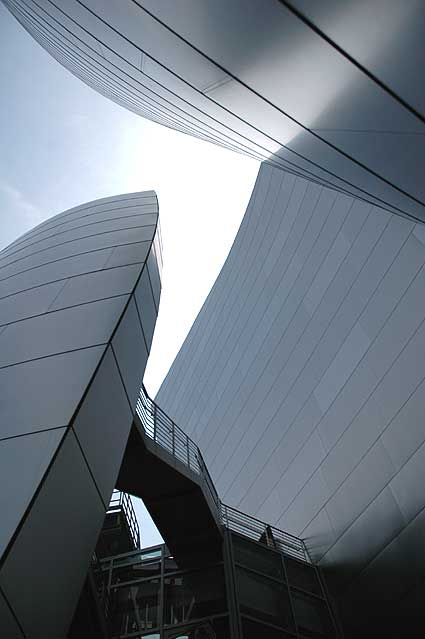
(165, 468)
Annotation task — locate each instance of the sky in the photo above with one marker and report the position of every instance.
(63, 144)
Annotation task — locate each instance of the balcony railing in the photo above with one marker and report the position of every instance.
(257, 530)
(122, 502)
(164, 432)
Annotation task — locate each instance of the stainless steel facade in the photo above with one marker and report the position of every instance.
(78, 304)
(302, 380)
(303, 376)
(328, 90)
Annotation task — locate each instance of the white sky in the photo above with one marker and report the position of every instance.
(62, 144)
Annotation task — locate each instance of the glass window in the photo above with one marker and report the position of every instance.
(134, 572)
(138, 556)
(136, 566)
(254, 556)
(254, 630)
(211, 629)
(302, 576)
(151, 554)
(263, 599)
(127, 559)
(221, 628)
(112, 520)
(194, 595)
(170, 564)
(312, 616)
(135, 607)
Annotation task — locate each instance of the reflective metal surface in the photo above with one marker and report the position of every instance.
(328, 90)
(302, 380)
(73, 352)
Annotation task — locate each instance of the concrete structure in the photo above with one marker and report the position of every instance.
(78, 302)
(302, 380)
(329, 90)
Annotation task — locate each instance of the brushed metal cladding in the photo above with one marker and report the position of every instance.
(146, 305)
(101, 424)
(128, 340)
(43, 573)
(328, 90)
(302, 381)
(9, 626)
(74, 347)
(24, 461)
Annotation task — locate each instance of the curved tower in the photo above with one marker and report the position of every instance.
(302, 381)
(79, 296)
(327, 90)
(302, 378)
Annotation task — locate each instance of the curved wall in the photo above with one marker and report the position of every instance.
(78, 302)
(327, 90)
(302, 380)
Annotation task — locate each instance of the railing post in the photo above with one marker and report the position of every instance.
(172, 438)
(154, 422)
(187, 449)
(305, 551)
(226, 514)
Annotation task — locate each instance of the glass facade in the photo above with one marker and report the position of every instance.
(150, 595)
(252, 591)
(278, 596)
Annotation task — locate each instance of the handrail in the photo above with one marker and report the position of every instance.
(163, 431)
(159, 427)
(257, 530)
(121, 501)
(209, 483)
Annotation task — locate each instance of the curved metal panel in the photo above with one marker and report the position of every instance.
(330, 92)
(74, 349)
(302, 382)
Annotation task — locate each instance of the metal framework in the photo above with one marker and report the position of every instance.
(149, 594)
(121, 502)
(257, 530)
(261, 582)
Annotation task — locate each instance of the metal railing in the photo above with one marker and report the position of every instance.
(164, 432)
(159, 427)
(257, 530)
(122, 502)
